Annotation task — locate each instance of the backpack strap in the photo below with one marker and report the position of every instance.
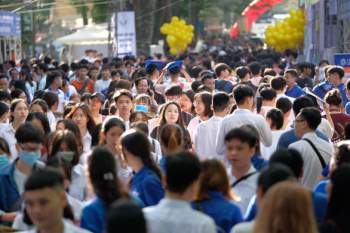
(243, 178)
(323, 163)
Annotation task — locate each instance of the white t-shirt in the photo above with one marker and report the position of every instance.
(20, 179)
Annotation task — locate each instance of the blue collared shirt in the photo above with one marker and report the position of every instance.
(146, 185)
(9, 194)
(223, 212)
(322, 88)
(295, 91)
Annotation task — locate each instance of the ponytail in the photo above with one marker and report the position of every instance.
(138, 144)
(171, 137)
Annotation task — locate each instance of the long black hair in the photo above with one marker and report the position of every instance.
(138, 144)
(42, 118)
(103, 176)
(339, 203)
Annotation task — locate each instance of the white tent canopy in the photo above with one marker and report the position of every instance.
(91, 34)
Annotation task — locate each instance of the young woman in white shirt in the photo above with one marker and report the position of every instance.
(19, 112)
(65, 143)
(202, 106)
(112, 129)
(81, 115)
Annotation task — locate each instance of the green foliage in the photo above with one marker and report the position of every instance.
(99, 11)
(82, 9)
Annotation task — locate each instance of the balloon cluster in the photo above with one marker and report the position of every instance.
(178, 33)
(287, 34)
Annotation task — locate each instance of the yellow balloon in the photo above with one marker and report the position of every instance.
(171, 40)
(173, 51)
(174, 19)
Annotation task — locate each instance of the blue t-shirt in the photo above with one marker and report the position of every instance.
(321, 90)
(93, 216)
(321, 187)
(146, 185)
(289, 137)
(223, 85)
(319, 202)
(225, 213)
(295, 91)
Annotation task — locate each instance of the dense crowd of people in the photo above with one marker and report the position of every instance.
(219, 141)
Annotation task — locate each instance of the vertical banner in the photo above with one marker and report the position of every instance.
(125, 36)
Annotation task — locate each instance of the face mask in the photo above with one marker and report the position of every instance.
(4, 160)
(29, 158)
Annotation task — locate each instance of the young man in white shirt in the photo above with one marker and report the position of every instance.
(256, 70)
(274, 174)
(45, 201)
(268, 97)
(104, 82)
(54, 84)
(279, 84)
(42, 72)
(207, 130)
(316, 152)
(241, 144)
(244, 97)
(174, 214)
(123, 100)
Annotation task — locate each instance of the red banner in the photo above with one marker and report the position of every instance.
(252, 13)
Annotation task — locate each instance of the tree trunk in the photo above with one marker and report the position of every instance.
(144, 24)
(161, 16)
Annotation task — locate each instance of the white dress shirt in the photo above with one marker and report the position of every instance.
(326, 128)
(8, 133)
(78, 186)
(266, 151)
(206, 138)
(173, 216)
(76, 206)
(42, 82)
(285, 96)
(61, 98)
(192, 127)
(69, 227)
(52, 120)
(312, 165)
(245, 189)
(87, 142)
(238, 118)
